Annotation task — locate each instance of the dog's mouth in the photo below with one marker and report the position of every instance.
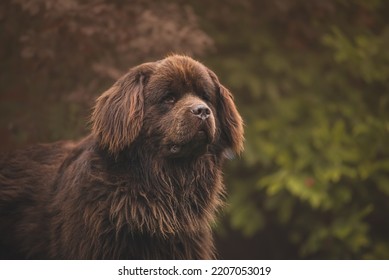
(197, 144)
(202, 135)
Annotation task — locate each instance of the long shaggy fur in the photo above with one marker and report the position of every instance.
(145, 184)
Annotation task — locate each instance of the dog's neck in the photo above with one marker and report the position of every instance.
(162, 196)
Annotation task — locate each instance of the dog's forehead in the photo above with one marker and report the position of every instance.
(181, 71)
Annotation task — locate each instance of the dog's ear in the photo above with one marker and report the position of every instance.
(230, 120)
(117, 117)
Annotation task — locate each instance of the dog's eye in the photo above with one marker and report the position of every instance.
(206, 97)
(169, 99)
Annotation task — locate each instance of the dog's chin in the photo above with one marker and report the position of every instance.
(194, 146)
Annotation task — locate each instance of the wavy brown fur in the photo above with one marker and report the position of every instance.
(145, 184)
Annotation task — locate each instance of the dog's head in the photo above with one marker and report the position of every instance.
(176, 105)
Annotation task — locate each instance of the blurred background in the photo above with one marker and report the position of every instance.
(310, 78)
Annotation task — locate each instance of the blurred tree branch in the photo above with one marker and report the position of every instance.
(62, 53)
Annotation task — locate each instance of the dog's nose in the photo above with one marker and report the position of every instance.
(201, 111)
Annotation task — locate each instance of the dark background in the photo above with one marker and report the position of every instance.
(310, 78)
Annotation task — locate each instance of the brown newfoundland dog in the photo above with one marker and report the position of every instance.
(145, 184)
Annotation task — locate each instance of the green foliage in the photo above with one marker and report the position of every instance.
(311, 80)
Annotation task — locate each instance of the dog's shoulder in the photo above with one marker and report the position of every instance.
(36, 165)
(37, 153)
